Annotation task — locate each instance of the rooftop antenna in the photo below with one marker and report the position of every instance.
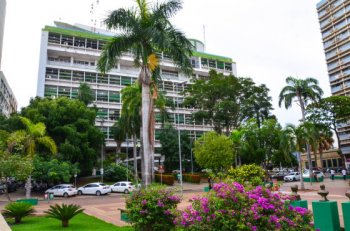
(205, 43)
(93, 15)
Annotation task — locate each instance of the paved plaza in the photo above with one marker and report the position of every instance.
(106, 207)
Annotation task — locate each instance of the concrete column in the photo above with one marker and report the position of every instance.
(71, 60)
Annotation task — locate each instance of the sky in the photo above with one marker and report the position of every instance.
(269, 40)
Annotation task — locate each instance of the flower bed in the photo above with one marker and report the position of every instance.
(232, 207)
(166, 179)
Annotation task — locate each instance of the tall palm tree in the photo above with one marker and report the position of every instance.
(304, 90)
(145, 30)
(132, 106)
(35, 134)
(325, 142)
(85, 95)
(238, 143)
(296, 136)
(119, 131)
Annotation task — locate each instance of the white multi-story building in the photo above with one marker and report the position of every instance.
(69, 54)
(334, 18)
(8, 103)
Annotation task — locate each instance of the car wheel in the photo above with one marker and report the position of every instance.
(126, 191)
(112, 190)
(294, 179)
(98, 193)
(65, 195)
(80, 193)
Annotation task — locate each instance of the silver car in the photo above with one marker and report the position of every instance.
(65, 190)
(293, 176)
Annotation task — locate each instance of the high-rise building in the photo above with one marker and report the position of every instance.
(8, 103)
(69, 54)
(334, 18)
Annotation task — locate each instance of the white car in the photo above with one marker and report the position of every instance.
(319, 174)
(176, 171)
(206, 170)
(94, 188)
(65, 190)
(123, 186)
(293, 176)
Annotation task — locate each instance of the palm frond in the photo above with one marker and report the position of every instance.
(48, 142)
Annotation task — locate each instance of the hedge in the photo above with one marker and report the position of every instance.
(169, 180)
(191, 178)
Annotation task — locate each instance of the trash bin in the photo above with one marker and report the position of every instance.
(51, 196)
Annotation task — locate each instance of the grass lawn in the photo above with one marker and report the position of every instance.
(79, 222)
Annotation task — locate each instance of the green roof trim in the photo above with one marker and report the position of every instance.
(76, 33)
(212, 57)
(195, 40)
(69, 25)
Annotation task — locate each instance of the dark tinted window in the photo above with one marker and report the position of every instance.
(131, 184)
(117, 184)
(335, 162)
(123, 184)
(103, 184)
(94, 185)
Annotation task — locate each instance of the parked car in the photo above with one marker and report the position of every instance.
(9, 185)
(123, 186)
(206, 170)
(319, 174)
(94, 188)
(279, 176)
(176, 171)
(65, 190)
(293, 176)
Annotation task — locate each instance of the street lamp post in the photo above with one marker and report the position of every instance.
(75, 176)
(178, 130)
(103, 120)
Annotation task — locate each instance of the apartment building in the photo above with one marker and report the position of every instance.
(69, 54)
(8, 103)
(334, 18)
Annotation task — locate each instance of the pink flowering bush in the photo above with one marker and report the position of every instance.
(150, 208)
(230, 206)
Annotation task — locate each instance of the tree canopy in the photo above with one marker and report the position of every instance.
(71, 125)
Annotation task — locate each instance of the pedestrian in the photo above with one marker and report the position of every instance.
(332, 172)
(139, 186)
(178, 178)
(338, 169)
(209, 181)
(344, 174)
(315, 176)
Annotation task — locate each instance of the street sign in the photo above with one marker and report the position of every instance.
(101, 171)
(161, 168)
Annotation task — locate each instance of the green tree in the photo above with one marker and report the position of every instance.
(219, 99)
(145, 30)
(329, 113)
(36, 134)
(72, 126)
(54, 170)
(86, 95)
(296, 136)
(214, 151)
(239, 144)
(169, 139)
(258, 105)
(304, 90)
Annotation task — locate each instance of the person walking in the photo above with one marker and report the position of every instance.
(178, 178)
(344, 174)
(315, 176)
(332, 172)
(209, 182)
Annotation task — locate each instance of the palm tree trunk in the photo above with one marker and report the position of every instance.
(321, 155)
(239, 159)
(134, 151)
(28, 184)
(302, 187)
(117, 152)
(147, 152)
(315, 155)
(307, 145)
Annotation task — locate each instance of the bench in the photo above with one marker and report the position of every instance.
(123, 215)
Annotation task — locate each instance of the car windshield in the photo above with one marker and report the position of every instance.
(292, 174)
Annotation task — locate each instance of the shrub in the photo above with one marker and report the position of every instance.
(117, 172)
(232, 207)
(149, 209)
(252, 173)
(191, 178)
(64, 213)
(18, 211)
(166, 179)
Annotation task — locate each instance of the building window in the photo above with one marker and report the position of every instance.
(79, 42)
(306, 164)
(50, 91)
(102, 78)
(78, 76)
(65, 75)
(90, 77)
(51, 73)
(64, 91)
(54, 38)
(170, 74)
(126, 81)
(102, 96)
(329, 163)
(335, 162)
(100, 45)
(313, 164)
(114, 80)
(324, 164)
(114, 114)
(75, 92)
(212, 64)
(114, 97)
(67, 40)
(91, 44)
(340, 163)
(102, 113)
